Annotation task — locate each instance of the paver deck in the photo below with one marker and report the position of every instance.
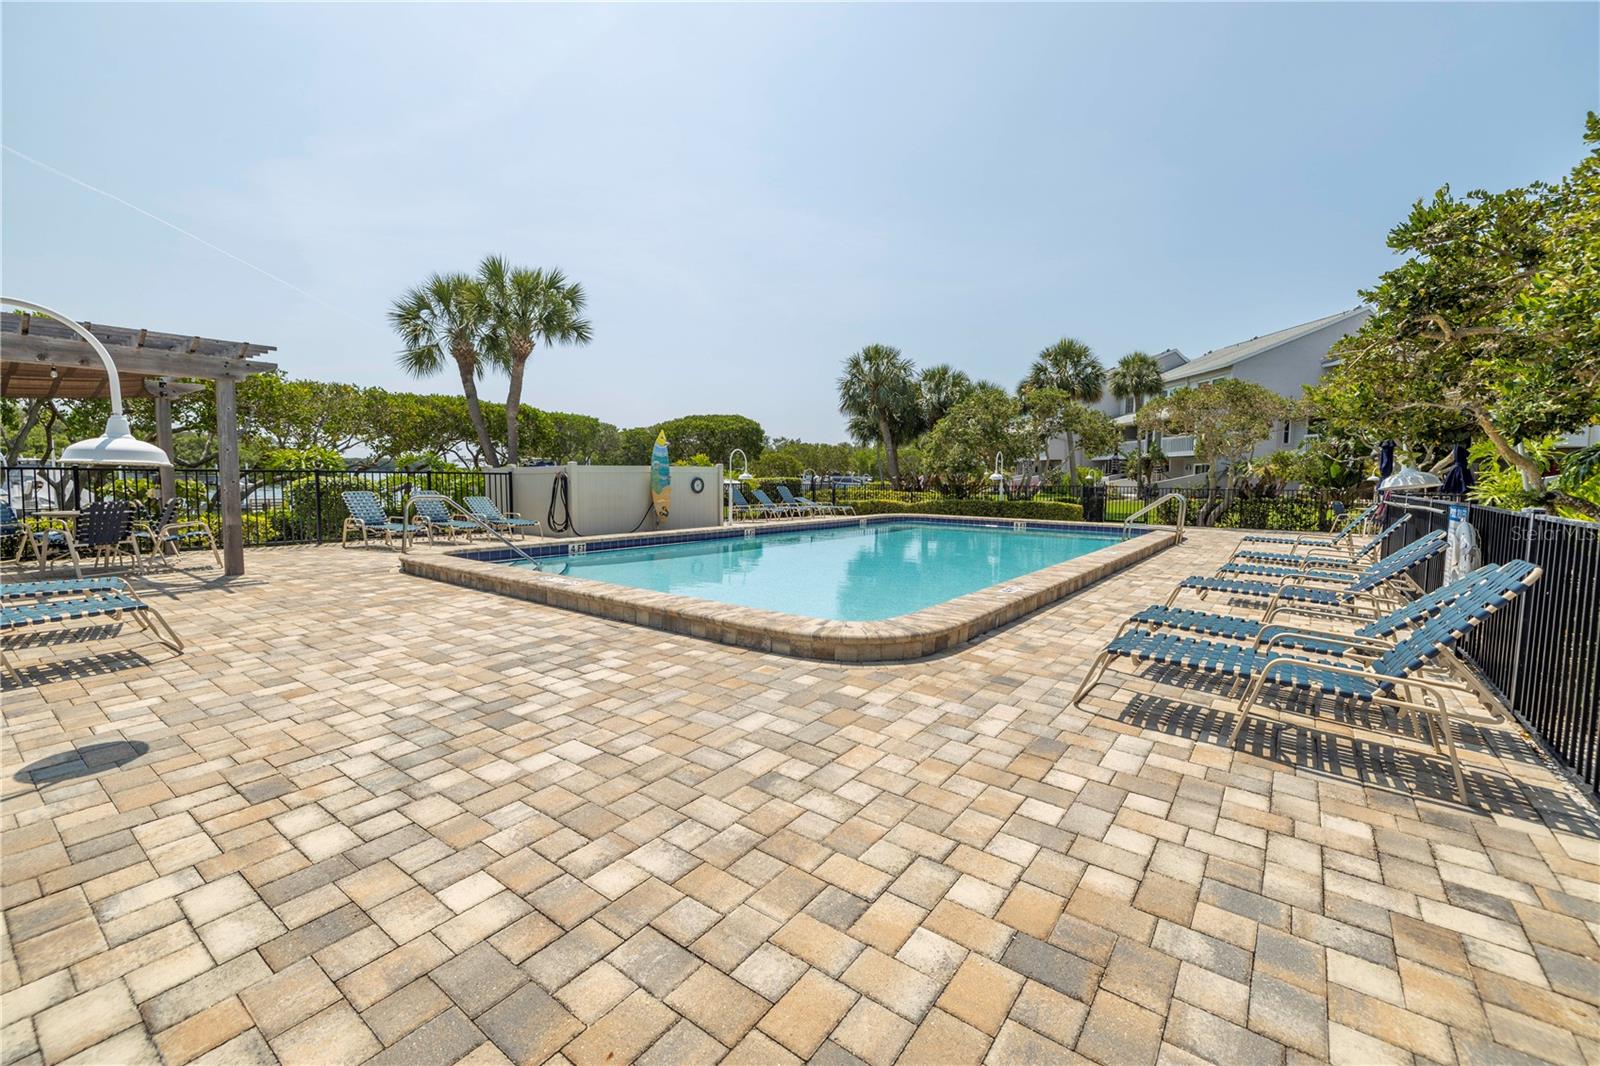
(374, 818)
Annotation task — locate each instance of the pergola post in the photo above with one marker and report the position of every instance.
(164, 442)
(228, 478)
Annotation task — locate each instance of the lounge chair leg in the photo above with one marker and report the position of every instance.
(1096, 668)
(171, 640)
(1244, 707)
(1455, 762)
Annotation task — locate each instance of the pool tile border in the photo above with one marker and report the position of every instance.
(909, 636)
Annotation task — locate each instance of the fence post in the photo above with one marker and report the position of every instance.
(316, 481)
(1513, 693)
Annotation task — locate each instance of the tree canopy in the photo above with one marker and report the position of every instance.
(1490, 325)
(1227, 419)
(961, 448)
(878, 389)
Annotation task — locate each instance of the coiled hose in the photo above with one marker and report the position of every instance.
(561, 492)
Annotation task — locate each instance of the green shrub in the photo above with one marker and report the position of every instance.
(1040, 510)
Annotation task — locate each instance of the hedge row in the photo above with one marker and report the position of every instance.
(1042, 510)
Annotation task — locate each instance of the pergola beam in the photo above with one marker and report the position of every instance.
(50, 351)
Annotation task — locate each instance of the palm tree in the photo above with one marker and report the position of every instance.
(524, 308)
(879, 386)
(1069, 365)
(941, 387)
(1137, 376)
(442, 320)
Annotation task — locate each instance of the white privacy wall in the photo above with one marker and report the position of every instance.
(613, 499)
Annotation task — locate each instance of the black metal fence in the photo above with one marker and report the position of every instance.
(279, 506)
(1544, 655)
(1288, 509)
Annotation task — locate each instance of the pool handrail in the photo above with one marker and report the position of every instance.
(451, 505)
(1183, 513)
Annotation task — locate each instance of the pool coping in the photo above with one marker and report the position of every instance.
(916, 635)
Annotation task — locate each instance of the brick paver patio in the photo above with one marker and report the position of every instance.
(372, 818)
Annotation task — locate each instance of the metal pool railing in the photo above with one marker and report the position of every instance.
(1544, 655)
(1183, 513)
(408, 516)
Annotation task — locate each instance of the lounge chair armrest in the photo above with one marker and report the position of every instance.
(185, 524)
(1309, 610)
(1288, 632)
(1347, 671)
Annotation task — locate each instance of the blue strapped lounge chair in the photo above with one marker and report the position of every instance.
(1321, 555)
(367, 518)
(506, 521)
(780, 509)
(25, 604)
(1265, 570)
(1346, 529)
(1391, 569)
(820, 508)
(1376, 633)
(744, 507)
(68, 586)
(428, 508)
(1386, 680)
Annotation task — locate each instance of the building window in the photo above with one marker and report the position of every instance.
(1202, 468)
(1286, 428)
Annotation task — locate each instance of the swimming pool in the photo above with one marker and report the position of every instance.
(854, 573)
(879, 588)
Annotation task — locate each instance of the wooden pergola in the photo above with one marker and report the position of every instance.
(40, 357)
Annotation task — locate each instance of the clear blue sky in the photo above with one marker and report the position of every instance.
(751, 193)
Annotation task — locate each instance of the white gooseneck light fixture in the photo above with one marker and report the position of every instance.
(744, 475)
(117, 446)
(997, 478)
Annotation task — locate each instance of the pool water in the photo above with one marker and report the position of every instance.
(845, 573)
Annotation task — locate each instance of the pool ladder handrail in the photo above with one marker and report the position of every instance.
(450, 505)
(1183, 513)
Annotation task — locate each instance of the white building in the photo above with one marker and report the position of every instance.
(1285, 362)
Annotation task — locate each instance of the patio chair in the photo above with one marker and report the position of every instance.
(1387, 680)
(426, 507)
(367, 518)
(26, 604)
(1322, 555)
(505, 521)
(1346, 529)
(105, 531)
(783, 510)
(47, 538)
(748, 509)
(10, 525)
(819, 508)
(169, 531)
(1370, 585)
